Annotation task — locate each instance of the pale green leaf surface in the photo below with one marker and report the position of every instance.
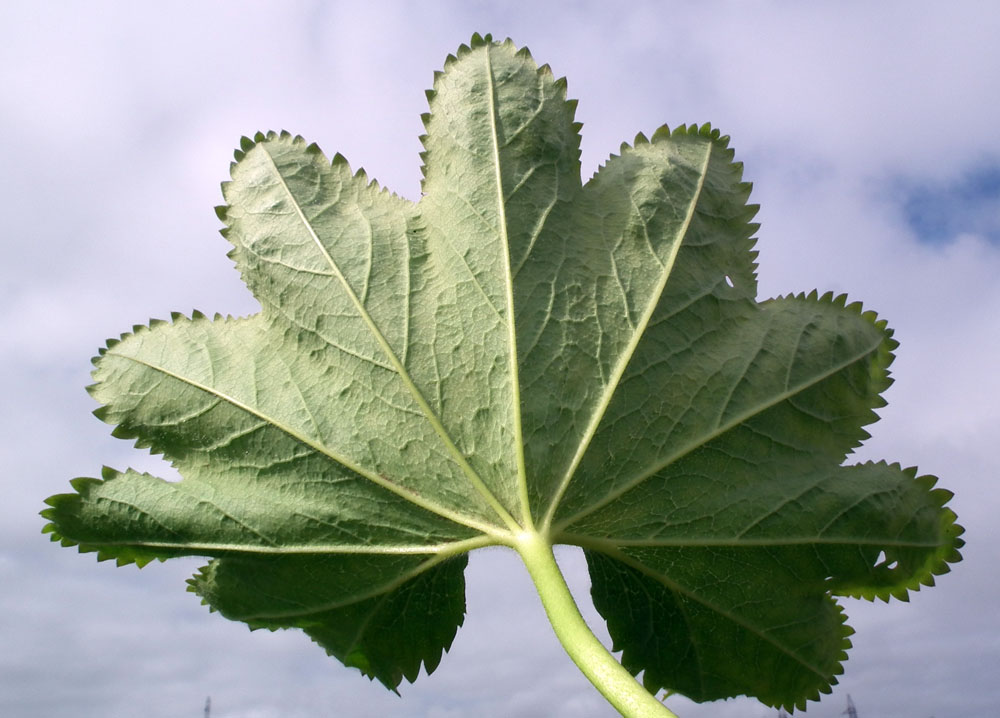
(516, 353)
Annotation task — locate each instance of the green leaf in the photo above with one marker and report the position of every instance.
(384, 615)
(518, 359)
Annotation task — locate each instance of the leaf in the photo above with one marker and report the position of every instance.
(516, 354)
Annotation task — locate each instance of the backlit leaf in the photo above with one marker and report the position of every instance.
(518, 351)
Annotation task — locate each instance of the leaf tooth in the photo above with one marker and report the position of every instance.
(640, 139)
(197, 581)
(706, 130)
(120, 432)
(858, 308)
(562, 85)
(83, 484)
(661, 133)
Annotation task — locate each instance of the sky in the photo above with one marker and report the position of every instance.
(869, 131)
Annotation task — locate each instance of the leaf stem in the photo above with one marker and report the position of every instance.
(595, 661)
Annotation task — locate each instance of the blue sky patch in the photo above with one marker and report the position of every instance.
(938, 212)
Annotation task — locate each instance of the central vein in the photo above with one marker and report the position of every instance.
(515, 389)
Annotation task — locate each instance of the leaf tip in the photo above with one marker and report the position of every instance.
(480, 40)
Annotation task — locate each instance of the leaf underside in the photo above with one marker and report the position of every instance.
(516, 351)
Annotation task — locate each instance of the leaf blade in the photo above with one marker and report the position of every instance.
(387, 617)
(807, 357)
(204, 416)
(300, 176)
(482, 110)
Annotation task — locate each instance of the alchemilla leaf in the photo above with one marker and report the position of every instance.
(517, 354)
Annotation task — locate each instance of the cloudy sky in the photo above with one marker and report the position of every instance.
(868, 129)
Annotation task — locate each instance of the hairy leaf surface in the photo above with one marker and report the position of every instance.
(516, 352)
